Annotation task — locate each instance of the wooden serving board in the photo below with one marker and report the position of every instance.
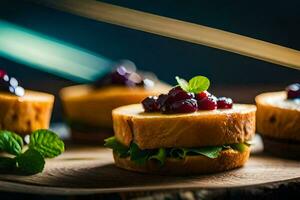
(89, 170)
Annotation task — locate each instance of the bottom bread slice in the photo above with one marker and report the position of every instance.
(227, 160)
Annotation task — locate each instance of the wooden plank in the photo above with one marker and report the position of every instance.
(88, 170)
(178, 29)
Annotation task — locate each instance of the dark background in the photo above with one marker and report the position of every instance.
(276, 22)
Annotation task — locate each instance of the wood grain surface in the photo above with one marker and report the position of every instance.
(89, 170)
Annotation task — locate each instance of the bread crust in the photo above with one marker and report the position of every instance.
(278, 122)
(227, 160)
(93, 107)
(25, 114)
(205, 128)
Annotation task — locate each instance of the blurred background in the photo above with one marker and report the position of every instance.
(231, 74)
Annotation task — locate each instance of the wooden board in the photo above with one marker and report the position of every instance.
(88, 170)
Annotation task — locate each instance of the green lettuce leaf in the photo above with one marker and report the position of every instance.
(137, 155)
(141, 156)
(241, 147)
(159, 156)
(47, 143)
(11, 142)
(178, 153)
(119, 148)
(210, 152)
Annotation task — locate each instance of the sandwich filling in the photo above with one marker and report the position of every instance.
(141, 156)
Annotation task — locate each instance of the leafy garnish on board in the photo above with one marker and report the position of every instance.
(43, 144)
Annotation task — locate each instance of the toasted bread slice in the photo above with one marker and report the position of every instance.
(25, 114)
(228, 159)
(277, 117)
(83, 103)
(202, 128)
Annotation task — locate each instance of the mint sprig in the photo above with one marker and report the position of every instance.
(47, 143)
(43, 144)
(30, 162)
(10, 143)
(195, 85)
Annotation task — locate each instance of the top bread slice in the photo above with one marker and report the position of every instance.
(202, 128)
(93, 106)
(277, 117)
(27, 113)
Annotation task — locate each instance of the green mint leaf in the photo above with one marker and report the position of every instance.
(210, 152)
(7, 163)
(137, 155)
(30, 162)
(47, 143)
(241, 147)
(119, 148)
(11, 142)
(182, 83)
(198, 84)
(159, 156)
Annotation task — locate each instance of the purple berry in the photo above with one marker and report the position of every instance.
(224, 103)
(209, 103)
(175, 90)
(293, 91)
(177, 94)
(161, 100)
(184, 106)
(150, 104)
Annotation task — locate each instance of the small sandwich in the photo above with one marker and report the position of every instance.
(88, 108)
(186, 131)
(278, 121)
(23, 111)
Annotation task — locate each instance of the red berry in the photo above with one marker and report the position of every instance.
(150, 104)
(293, 91)
(224, 103)
(184, 106)
(209, 103)
(202, 95)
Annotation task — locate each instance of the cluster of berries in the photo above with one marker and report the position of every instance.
(179, 101)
